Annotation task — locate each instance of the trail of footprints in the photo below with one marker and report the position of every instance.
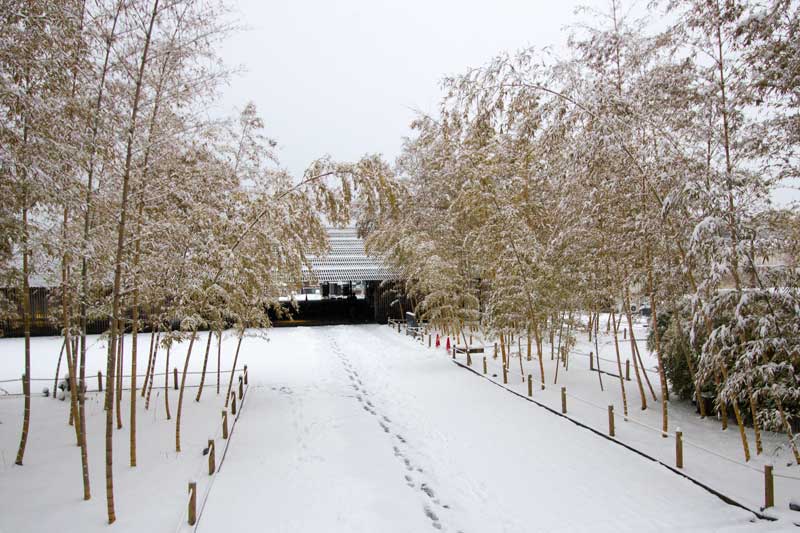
(386, 425)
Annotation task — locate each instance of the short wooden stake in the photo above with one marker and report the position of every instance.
(505, 374)
(563, 400)
(212, 463)
(454, 352)
(192, 503)
(610, 420)
(679, 449)
(241, 387)
(485, 370)
(398, 327)
(429, 340)
(627, 369)
(224, 424)
(530, 386)
(233, 403)
(175, 378)
(624, 333)
(769, 487)
(245, 374)
(591, 360)
(495, 350)
(99, 381)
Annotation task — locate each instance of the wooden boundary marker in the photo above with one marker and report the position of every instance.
(241, 387)
(233, 403)
(627, 369)
(485, 370)
(530, 386)
(175, 378)
(610, 420)
(192, 503)
(212, 462)
(769, 487)
(591, 360)
(679, 448)
(564, 400)
(99, 382)
(505, 374)
(245, 374)
(224, 424)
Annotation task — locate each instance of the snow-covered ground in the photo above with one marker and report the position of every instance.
(357, 428)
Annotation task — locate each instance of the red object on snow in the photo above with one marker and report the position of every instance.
(448, 344)
(438, 341)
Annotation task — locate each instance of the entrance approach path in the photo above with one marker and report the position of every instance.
(359, 429)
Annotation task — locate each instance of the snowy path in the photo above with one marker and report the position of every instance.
(347, 429)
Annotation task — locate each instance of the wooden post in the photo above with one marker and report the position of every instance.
(241, 388)
(175, 378)
(495, 350)
(470, 339)
(611, 420)
(233, 403)
(679, 448)
(485, 370)
(769, 487)
(429, 340)
(245, 374)
(398, 327)
(454, 351)
(192, 503)
(627, 369)
(591, 360)
(99, 381)
(505, 374)
(624, 333)
(212, 463)
(530, 386)
(224, 424)
(563, 400)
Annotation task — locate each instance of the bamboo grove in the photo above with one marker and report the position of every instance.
(643, 165)
(121, 191)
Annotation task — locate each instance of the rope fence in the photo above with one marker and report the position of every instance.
(678, 435)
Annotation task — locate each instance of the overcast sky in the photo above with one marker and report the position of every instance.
(344, 77)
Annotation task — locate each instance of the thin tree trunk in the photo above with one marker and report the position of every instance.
(149, 360)
(692, 374)
(120, 371)
(180, 393)
(619, 363)
(662, 376)
(117, 291)
(233, 369)
(219, 356)
(205, 364)
(642, 395)
(26, 325)
(539, 352)
(58, 367)
(753, 413)
(166, 382)
(738, 414)
(788, 429)
(153, 369)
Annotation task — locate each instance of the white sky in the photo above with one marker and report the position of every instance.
(343, 77)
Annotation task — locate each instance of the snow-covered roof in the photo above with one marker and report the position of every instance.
(346, 261)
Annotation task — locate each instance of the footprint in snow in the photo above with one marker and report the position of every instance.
(400, 438)
(427, 490)
(384, 426)
(435, 519)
